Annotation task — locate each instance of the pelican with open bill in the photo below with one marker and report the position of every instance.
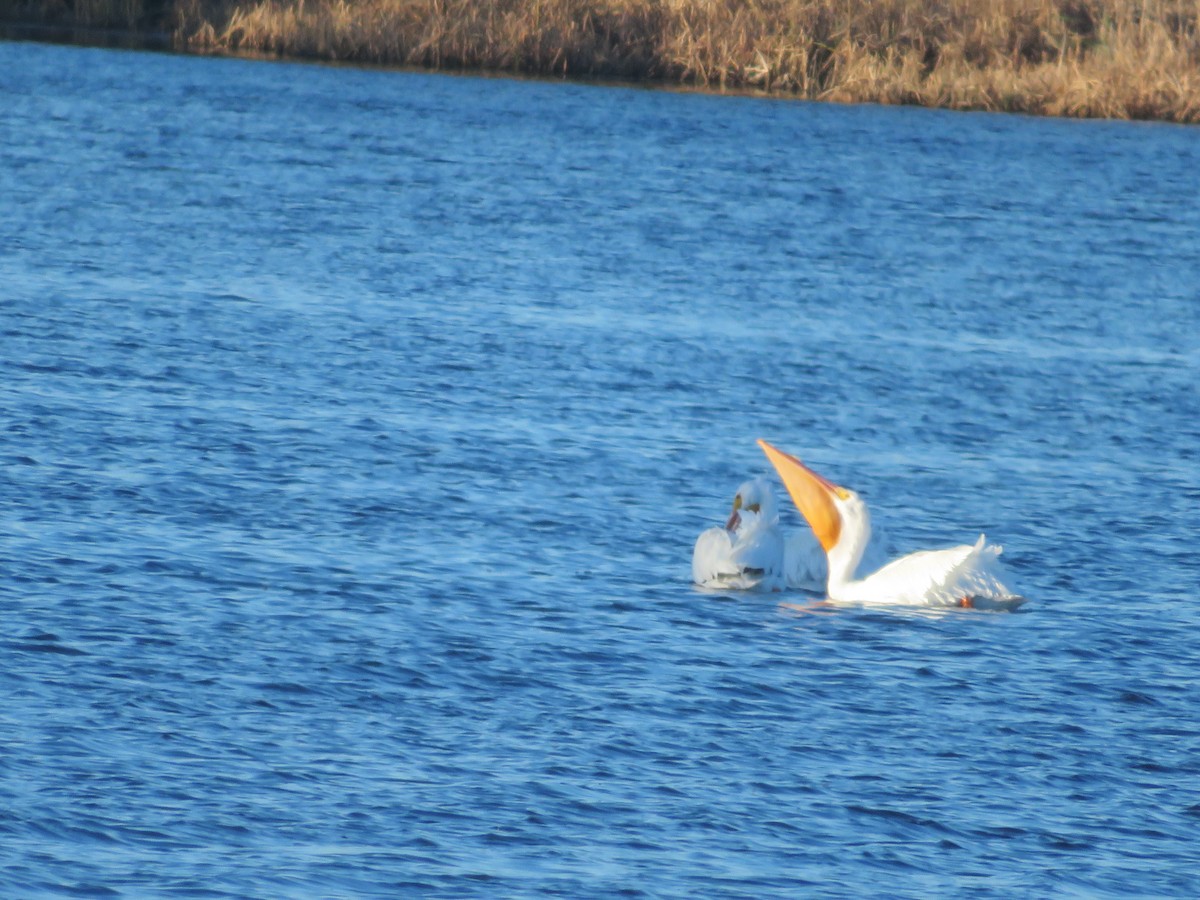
(969, 575)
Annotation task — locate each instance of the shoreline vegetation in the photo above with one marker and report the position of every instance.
(1119, 59)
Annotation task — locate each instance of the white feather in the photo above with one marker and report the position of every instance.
(806, 568)
(967, 575)
(748, 556)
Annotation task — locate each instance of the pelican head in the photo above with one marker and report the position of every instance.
(756, 496)
(837, 515)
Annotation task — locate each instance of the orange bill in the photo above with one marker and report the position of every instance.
(812, 494)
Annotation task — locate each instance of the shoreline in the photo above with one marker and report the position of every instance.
(1103, 59)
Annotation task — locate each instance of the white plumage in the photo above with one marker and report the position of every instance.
(967, 575)
(751, 552)
(748, 552)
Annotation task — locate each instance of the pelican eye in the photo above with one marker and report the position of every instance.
(753, 507)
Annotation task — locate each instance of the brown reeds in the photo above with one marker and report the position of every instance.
(559, 37)
(1096, 58)
(1105, 58)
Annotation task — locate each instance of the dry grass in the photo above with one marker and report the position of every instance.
(566, 37)
(1098, 58)
(1105, 58)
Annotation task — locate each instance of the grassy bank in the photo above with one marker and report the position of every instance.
(1096, 58)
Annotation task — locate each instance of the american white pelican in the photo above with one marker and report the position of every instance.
(748, 552)
(969, 575)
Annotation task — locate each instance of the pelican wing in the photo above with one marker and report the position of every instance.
(751, 557)
(710, 557)
(969, 573)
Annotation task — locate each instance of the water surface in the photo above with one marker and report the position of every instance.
(357, 426)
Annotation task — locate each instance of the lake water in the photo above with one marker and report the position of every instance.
(357, 426)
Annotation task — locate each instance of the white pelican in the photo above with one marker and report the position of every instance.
(969, 575)
(748, 552)
(751, 552)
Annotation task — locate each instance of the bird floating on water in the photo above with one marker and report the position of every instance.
(751, 552)
(748, 552)
(968, 575)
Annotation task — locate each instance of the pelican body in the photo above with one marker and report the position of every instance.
(968, 575)
(748, 552)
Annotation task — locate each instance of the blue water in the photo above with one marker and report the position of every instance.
(356, 427)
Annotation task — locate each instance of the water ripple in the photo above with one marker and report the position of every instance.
(359, 424)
